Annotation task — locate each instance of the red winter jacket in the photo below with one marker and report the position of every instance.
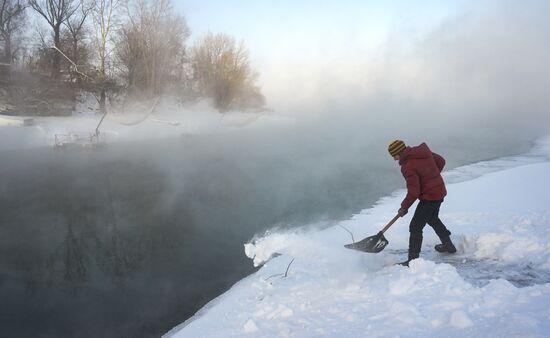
(422, 171)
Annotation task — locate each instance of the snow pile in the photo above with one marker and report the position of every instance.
(498, 284)
(296, 243)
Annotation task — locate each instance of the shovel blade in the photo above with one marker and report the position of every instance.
(372, 244)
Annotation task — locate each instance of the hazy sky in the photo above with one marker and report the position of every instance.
(298, 41)
(451, 59)
(302, 30)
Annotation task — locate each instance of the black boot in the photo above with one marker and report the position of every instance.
(446, 246)
(411, 257)
(405, 263)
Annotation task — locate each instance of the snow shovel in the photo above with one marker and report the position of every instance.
(374, 243)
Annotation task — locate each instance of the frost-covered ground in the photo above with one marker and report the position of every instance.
(497, 285)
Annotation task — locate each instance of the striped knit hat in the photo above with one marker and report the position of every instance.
(396, 147)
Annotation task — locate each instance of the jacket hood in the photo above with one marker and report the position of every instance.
(418, 152)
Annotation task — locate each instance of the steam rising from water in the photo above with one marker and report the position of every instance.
(476, 87)
(483, 70)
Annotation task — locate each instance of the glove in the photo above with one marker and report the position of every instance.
(402, 212)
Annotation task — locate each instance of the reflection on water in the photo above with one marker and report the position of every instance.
(89, 248)
(131, 240)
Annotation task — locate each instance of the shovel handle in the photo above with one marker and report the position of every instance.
(390, 223)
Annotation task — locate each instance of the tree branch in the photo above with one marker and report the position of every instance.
(352, 239)
(280, 274)
(71, 61)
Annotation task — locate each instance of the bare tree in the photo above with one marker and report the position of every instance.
(11, 20)
(222, 71)
(56, 12)
(74, 36)
(40, 59)
(104, 13)
(152, 45)
(129, 53)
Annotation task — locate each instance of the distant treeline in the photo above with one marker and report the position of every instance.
(110, 47)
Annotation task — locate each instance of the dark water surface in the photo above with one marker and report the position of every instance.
(133, 239)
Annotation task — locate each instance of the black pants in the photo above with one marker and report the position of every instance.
(426, 212)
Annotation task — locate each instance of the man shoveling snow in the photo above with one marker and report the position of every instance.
(422, 171)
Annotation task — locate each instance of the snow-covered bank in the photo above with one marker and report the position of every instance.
(497, 285)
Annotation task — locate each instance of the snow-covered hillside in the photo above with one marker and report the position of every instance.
(498, 284)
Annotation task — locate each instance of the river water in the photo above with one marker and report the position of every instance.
(132, 239)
